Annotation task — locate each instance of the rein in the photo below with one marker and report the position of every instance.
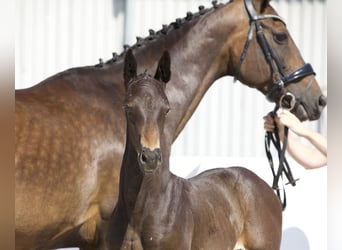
(284, 167)
(274, 137)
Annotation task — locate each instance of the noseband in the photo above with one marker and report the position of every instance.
(279, 77)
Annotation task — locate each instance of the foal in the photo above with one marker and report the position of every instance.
(218, 209)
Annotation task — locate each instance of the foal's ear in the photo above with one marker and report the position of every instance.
(130, 67)
(163, 72)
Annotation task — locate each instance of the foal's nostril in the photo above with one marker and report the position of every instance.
(143, 158)
(322, 101)
(150, 157)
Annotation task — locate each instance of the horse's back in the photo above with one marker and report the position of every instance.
(67, 137)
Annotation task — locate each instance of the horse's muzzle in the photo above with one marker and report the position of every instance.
(322, 101)
(320, 104)
(149, 159)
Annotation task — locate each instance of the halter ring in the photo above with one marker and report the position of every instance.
(287, 101)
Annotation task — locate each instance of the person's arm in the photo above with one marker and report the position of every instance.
(292, 122)
(306, 156)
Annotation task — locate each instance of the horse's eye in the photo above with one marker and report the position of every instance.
(167, 111)
(280, 37)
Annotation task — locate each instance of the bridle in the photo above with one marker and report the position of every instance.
(280, 79)
(276, 92)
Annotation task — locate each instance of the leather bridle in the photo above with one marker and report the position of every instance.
(276, 93)
(279, 78)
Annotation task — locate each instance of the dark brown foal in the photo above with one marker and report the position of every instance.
(218, 209)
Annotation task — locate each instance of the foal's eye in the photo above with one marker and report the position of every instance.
(280, 37)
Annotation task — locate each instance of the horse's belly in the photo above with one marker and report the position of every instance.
(67, 168)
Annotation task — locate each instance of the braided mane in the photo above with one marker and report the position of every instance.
(153, 35)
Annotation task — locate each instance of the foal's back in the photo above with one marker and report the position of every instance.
(234, 204)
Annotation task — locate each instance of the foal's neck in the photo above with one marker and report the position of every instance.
(144, 195)
(134, 186)
(130, 179)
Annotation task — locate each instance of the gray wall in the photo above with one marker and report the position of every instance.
(52, 36)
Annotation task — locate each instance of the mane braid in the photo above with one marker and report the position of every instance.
(164, 30)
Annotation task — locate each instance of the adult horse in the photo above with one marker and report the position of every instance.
(70, 128)
(218, 209)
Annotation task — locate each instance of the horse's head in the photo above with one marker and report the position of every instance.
(146, 107)
(264, 56)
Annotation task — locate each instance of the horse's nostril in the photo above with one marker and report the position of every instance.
(322, 101)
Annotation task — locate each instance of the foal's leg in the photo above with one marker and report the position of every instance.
(131, 240)
(262, 234)
(262, 225)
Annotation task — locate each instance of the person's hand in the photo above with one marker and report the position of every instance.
(269, 124)
(288, 119)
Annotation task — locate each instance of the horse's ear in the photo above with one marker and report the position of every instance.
(163, 72)
(264, 5)
(130, 67)
(260, 5)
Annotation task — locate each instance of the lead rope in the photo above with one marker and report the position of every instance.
(283, 167)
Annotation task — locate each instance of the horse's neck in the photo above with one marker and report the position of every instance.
(199, 56)
(200, 64)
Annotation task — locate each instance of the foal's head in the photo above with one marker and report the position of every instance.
(146, 107)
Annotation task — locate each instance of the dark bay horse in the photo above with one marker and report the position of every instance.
(70, 128)
(218, 209)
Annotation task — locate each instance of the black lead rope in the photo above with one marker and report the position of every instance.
(284, 166)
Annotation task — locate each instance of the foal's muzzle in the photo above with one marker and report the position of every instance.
(149, 159)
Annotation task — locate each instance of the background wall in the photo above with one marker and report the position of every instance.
(55, 35)
(52, 36)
